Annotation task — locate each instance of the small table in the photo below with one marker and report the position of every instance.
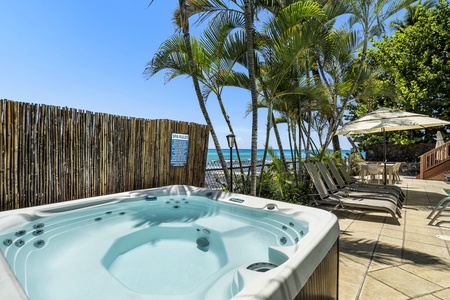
(389, 171)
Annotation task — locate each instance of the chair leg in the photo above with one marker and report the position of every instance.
(445, 199)
(444, 206)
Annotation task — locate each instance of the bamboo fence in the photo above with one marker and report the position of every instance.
(51, 154)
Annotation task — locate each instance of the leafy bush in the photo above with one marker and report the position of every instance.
(279, 184)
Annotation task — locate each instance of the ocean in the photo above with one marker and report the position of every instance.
(246, 154)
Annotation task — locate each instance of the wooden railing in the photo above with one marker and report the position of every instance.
(434, 158)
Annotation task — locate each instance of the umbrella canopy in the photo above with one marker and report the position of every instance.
(388, 119)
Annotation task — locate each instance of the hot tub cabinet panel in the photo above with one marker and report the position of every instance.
(169, 243)
(324, 282)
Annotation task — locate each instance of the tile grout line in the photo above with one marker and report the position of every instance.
(402, 251)
(374, 250)
(375, 247)
(358, 294)
(403, 246)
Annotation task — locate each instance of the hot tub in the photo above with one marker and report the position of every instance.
(174, 242)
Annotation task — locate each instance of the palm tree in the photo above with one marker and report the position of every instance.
(286, 37)
(411, 15)
(319, 31)
(241, 10)
(214, 54)
(370, 16)
(336, 72)
(170, 55)
(249, 30)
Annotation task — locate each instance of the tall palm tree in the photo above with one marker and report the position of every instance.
(337, 73)
(243, 11)
(224, 48)
(286, 37)
(214, 54)
(370, 16)
(183, 22)
(318, 29)
(249, 30)
(239, 10)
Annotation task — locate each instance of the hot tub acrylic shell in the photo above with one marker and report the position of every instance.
(283, 282)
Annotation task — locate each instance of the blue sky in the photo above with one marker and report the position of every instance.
(91, 55)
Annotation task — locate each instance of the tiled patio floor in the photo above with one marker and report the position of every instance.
(380, 260)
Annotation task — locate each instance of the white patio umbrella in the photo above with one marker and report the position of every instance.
(388, 119)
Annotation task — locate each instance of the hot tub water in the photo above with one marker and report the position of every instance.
(149, 247)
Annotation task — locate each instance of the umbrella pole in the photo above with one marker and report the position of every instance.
(384, 177)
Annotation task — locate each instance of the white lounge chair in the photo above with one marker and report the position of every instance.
(372, 194)
(324, 197)
(350, 181)
(360, 186)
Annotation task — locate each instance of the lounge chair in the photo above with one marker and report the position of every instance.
(350, 181)
(368, 204)
(437, 212)
(358, 186)
(332, 188)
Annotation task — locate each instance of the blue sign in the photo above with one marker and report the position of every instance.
(179, 147)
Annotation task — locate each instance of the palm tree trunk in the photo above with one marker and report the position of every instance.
(280, 145)
(266, 143)
(294, 142)
(248, 16)
(227, 120)
(185, 28)
(308, 134)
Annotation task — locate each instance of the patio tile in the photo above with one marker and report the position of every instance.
(395, 226)
(391, 241)
(444, 294)
(350, 260)
(352, 275)
(357, 245)
(382, 260)
(424, 238)
(405, 282)
(370, 231)
(388, 253)
(438, 274)
(344, 224)
(424, 229)
(419, 217)
(348, 291)
(427, 297)
(392, 233)
(424, 253)
(376, 289)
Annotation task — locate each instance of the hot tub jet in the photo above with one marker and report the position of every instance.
(203, 244)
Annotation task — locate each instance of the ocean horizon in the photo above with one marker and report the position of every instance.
(246, 154)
